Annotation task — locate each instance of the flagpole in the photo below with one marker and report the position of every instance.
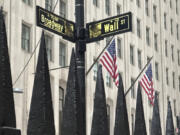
(99, 56)
(91, 65)
(56, 68)
(138, 76)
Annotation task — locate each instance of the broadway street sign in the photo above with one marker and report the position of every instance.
(55, 24)
(110, 26)
(95, 30)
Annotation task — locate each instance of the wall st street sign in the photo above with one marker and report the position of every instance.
(55, 24)
(95, 30)
(110, 26)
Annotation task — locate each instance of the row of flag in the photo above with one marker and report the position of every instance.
(109, 61)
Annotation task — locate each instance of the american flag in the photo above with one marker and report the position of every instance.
(108, 60)
(147, 84)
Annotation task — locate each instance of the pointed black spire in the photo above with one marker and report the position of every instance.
(156, 122)
(71, 112)
(169, 121)
(7, 110)
(100, 121)
(121, 120)
(140, 126)
(41, 117)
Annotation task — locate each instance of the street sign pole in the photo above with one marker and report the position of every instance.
(80, 40)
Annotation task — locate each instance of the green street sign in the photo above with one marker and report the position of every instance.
(55, 24)
(108, 27)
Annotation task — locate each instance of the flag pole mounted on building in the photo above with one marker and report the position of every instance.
(77, 33)
(99, 56)
(138, 76)
(108, 60)
(147, 84)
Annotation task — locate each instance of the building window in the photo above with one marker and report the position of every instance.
(173, 76)
(138, 3)
(119, 45)
(179, 83)
(148, 59)
(108, 116)
(146, 7)
(132, 23)
(27, 2)
(177, 8)
(166, 48)
(121, 73)
(95, 3)
(25, 43)
(170, 3)
(150, 121)
(165, 21)
(138, 28)
(178, 53)
(108, 40)
(157, 70)
(172, 52)
(167, 77)
(177, 31)
(131, 54)
(108, 80)
(154, 13)
(171, 26)
(174, 107)
(49, 47)
(132, 123)
(139, 59)
(52, 87)
(158, 93)
(132, 89)
(62, 9)
(107, 5)
(155, 41)
(118, 9)
(62, 54)
(6, 20)
(61, 103)
(147, 35)
(48, 5)
(95, 69)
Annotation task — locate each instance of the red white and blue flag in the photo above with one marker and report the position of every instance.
(108, 60)
(147, 84)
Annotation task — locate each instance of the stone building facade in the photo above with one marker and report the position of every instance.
(156, 32)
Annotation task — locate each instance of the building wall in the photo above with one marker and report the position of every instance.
(18, 12)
